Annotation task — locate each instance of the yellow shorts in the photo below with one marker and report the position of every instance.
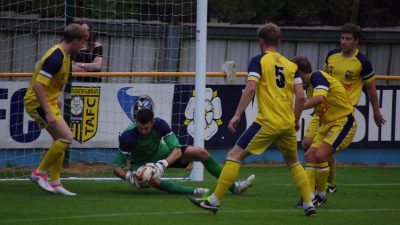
(312, 127)
(256, 139)
(37, 113)
(338, 133)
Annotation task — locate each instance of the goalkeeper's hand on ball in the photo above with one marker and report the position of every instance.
(130, 177)
(159, 166)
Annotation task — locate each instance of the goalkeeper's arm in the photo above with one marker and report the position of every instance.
(174, 155)
(120, 162)
(162, 164)
(129, 176)
(119, 172)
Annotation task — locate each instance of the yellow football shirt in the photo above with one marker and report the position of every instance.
(351, 72)
(336, 103)
(275, 76)
(52, 70)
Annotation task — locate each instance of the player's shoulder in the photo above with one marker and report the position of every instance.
(159, 121)
(333, 52)
(128, 139)
(162, 126)
(320, 73)
(289, 64)
(55, 55)
(362, 58)
(129, 135)
(254, 68)
(318, 78)
(131, 129)
(317, 74)
(257, 58)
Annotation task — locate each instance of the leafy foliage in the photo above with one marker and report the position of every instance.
(283, 12)
(305, 12)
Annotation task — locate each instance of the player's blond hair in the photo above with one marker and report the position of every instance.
(270, 33)
(74, 31)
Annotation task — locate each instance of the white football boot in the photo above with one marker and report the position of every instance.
(59, 189)
(242, 185)
(41, 181)
(201, 191)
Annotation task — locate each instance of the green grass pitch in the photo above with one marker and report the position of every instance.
(366, 196)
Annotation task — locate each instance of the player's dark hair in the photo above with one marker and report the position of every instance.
(353, 29)
(303, 64)
(270, 33)
(74, 31)
(144, 116)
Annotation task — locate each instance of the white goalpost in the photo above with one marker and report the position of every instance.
(147, 47)
(201, 52)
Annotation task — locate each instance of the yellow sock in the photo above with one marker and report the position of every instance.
(226, 179)
(322, 173)
(55, 169)
(310, 171)
(301, 181)
(332, 174)
(55, 151)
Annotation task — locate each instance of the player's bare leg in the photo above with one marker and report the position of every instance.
(306, 143)
(54, 157)
(193, 153)
(226, 179)
(301, 182)
(331, 184)
(322, 155)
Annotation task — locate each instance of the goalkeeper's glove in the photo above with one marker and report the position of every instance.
(161, 165)
(130, 177)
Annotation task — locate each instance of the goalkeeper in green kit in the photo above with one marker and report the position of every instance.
(150, 141)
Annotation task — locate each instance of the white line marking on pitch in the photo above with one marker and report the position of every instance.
(194, 212)
(340, 184)
(349, 185)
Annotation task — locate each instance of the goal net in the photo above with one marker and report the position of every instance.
(135, 36)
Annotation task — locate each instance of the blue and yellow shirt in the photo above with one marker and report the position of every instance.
(52, 71)
(275, 76)
(336, 103)
(351, 72)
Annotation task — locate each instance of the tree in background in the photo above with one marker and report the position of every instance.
(371, 13)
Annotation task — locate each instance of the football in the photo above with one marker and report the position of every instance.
(144, 176)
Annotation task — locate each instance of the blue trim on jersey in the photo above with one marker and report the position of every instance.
(128, 139)
(366, 71)
(297, 78)
(162, 127)
(317, 79)
(255, 65)
(297, 74)
(345, 131)
(53, 63)
(130, 136)
(332, 52)
(248, 135)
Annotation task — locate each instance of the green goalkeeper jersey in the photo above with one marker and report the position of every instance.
(139, 149)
